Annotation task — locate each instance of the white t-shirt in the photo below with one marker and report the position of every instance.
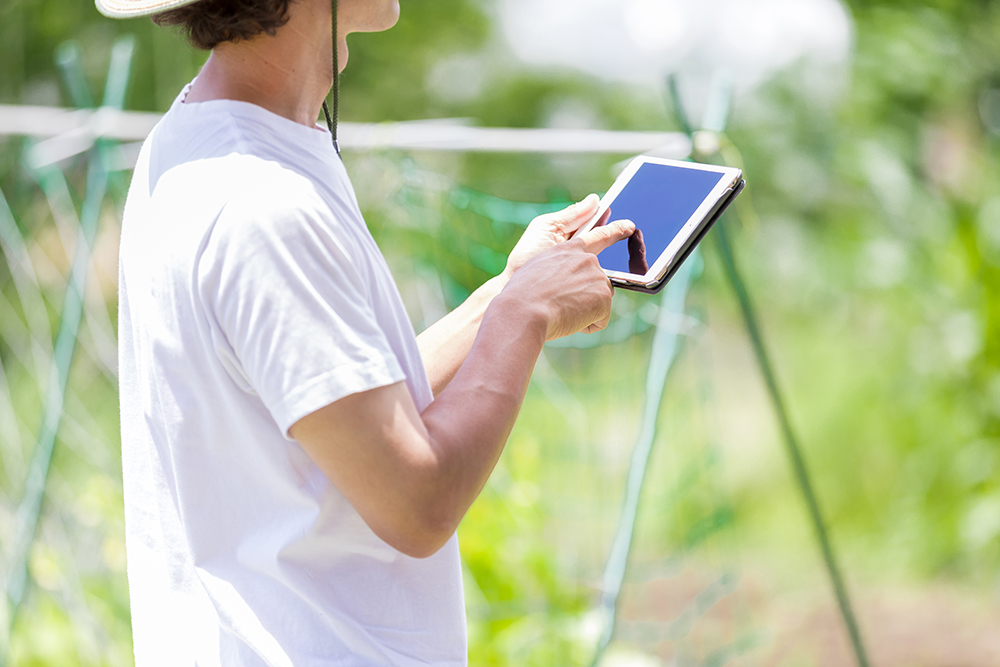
(252, 294)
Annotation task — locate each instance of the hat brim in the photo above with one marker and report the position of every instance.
(127, 9)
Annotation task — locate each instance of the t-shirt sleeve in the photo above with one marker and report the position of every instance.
(290, 308)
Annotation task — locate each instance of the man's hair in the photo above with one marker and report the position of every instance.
(208, 23)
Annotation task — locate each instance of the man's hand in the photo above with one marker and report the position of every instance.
(549, 230)
(445, 344)
(569, 283)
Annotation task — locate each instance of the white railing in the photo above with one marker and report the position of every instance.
(64, 133)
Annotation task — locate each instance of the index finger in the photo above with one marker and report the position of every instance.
(599, 238)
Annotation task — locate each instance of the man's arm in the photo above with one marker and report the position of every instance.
(413, 476)
(445, 344)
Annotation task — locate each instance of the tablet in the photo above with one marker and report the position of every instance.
(673, 204)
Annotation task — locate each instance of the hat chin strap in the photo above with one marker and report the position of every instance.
(331, 118)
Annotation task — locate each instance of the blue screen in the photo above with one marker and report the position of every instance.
(659, 199)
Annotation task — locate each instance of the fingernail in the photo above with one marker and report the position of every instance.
(589, 198)
(628, 225)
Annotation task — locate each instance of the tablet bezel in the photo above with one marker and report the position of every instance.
(728, 181)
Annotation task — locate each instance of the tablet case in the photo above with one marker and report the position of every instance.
(688, 249)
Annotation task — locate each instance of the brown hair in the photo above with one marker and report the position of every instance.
(210, 22)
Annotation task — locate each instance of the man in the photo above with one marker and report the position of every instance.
(295, 460)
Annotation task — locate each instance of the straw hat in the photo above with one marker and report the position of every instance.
(127, 9)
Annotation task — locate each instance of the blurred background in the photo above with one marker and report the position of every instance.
(868, 238)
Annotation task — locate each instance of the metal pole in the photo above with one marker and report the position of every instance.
(666, 341)
(792, 446)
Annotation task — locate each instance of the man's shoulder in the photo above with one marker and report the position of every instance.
(240, 183)
(223, 165)
(234, 187)
(266, 185)
(238, 139)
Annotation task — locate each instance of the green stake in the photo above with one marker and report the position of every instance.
(30, 508)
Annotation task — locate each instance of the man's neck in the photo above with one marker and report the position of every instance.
(288, 74)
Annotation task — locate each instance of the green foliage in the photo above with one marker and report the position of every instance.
(522, 610)
(400, 60)
(31, 31)
(884, 197)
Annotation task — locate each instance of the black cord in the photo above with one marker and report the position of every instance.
(331, 119)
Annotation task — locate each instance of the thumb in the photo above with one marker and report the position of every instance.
(585, 206)
(599, 238)
(573, 216)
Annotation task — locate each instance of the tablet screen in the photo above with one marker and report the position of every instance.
(659, 199)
